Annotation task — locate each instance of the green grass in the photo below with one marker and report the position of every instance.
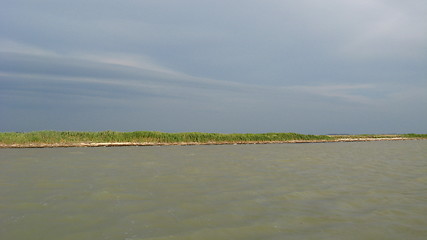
(48, 137)
(51, 137)
(414, 135)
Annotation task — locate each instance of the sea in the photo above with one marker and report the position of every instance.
(356, 190)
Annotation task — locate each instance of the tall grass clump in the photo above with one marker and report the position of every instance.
(51, 137)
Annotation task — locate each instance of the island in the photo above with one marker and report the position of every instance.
(49, 139)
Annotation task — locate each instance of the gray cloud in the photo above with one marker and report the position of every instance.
(306, 66)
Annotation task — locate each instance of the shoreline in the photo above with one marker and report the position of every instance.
(128, 144)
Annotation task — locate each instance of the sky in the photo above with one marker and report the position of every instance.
(312, 67)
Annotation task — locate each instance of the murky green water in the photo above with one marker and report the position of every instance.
(375, 190)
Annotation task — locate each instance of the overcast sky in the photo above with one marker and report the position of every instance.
(314, 67)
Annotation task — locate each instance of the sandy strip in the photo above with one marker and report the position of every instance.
(122, 144)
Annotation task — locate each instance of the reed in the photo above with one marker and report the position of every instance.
(50, 137)
(71, 137)
(414, 135)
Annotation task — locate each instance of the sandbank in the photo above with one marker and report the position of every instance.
(123, 144)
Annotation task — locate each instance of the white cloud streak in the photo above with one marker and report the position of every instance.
(343, 92)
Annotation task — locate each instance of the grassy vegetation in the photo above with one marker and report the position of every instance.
(414, 135)
(49, 137)
(53, 137)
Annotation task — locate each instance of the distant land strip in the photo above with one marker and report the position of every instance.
(50, 139)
